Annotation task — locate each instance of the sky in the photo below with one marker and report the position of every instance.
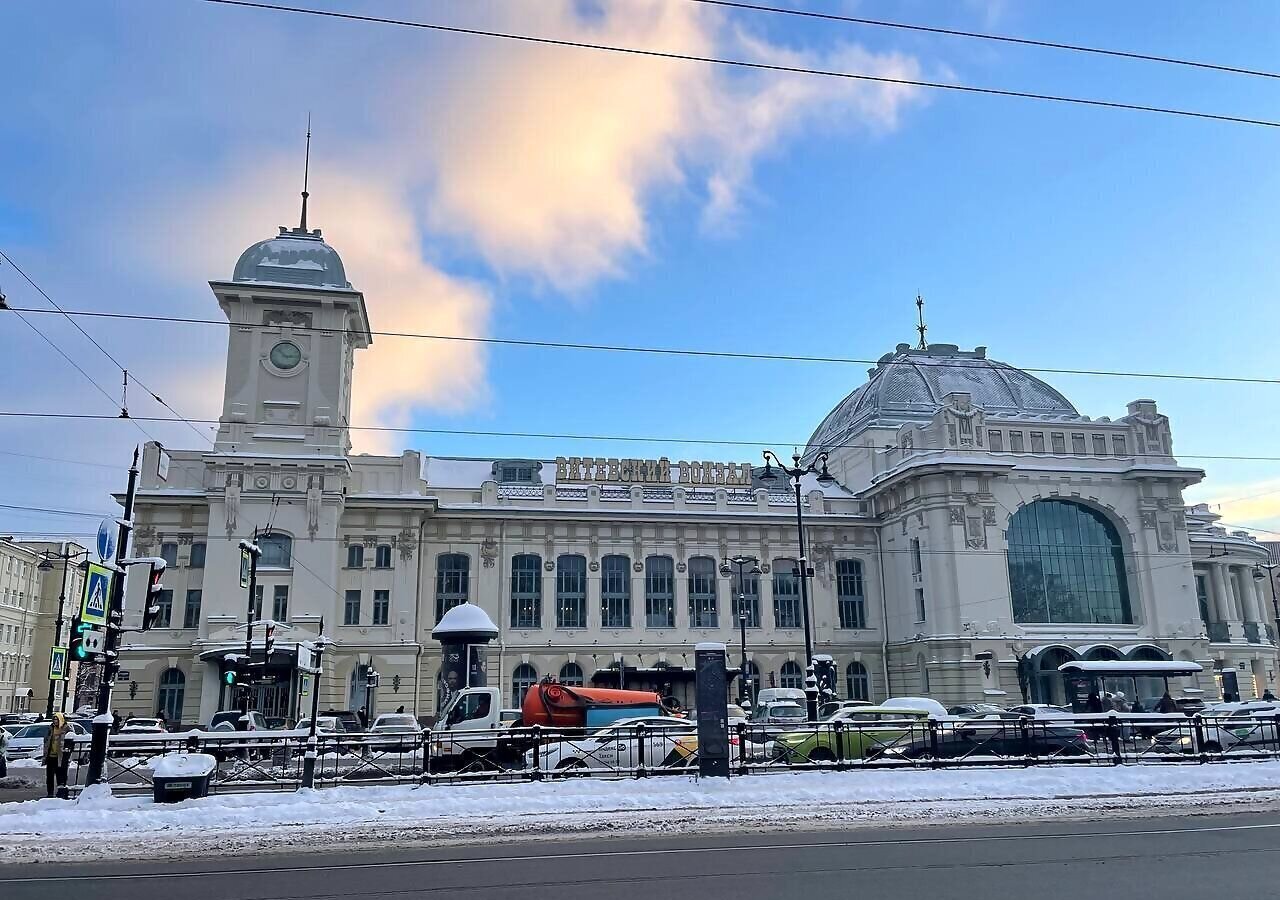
(482, 187)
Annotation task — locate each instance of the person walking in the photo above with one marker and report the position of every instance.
(363, 716)
(1268, 696)
(4, 745)
(55, 761)
(115, 722)
(1167, 704)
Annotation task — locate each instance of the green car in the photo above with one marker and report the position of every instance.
(860, 739)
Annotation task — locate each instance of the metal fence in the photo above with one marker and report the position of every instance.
(258, 760)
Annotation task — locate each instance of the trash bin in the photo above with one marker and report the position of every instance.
(182, 776)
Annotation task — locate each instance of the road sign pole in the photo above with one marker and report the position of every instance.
(115, 618)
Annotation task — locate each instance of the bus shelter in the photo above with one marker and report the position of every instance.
(1142, 682)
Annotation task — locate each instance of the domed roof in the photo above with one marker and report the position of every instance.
(296, 256)
(908, 386)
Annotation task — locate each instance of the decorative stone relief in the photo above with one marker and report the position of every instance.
(975, 534)
(957, 515)
(1148, 519)
(313, 505)
(232, 501)
(489, 552)
(406, 540)
(1168, 540)
(989, 515)
(549, 566)
(680, 566)
(262, 482)
(144, 538)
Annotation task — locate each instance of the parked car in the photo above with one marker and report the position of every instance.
(876, 729)
(347, 718)
(395, 729)
(17, 718)
(144, 726)
(770, 719)
(28, 741)
(327, 725)
(510, 717)
(235, 720)
(993, 737)
(979, 711)
(830, 708)
(617, 746)
(277, 723)
(1042, 711)
(926, 704)
(1227, 726)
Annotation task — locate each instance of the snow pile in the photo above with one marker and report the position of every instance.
(184, 765)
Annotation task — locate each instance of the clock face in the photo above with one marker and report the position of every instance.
(285, 355)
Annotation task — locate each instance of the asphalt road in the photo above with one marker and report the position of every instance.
(1166, 857)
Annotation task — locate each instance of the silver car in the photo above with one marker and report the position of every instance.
(28, 742)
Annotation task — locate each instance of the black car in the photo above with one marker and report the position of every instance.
(998, 738)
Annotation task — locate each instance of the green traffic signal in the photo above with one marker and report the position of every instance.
(229, 678)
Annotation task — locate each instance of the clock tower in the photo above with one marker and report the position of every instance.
(296, 323)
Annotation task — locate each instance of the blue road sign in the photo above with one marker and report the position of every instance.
(107, 539)
(58, 664)
(97, 591)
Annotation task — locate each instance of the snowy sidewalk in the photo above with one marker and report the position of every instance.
(134, 826)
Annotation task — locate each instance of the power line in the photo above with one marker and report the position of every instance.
(1002, 38)
(744, 64)
(642, 439)
(650, 350)
(70, 462)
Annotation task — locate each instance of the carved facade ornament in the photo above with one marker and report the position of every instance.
(406, 539)
(184, 540)
(1148, 519)
(313, 505)
(144, 538)
(989, 515)
(956, 514)
(680, 566)
(1168, 539)
(975, 534)
(971, 499)
(489, 552)
(370, 541)
(1179, 521)
(235, 482)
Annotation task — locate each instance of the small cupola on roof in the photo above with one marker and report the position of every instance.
(909, 384)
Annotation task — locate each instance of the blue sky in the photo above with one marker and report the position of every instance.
(482, 187)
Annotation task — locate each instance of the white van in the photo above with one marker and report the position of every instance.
(776, 695)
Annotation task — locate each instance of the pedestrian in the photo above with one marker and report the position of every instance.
(1167, 704)
(1094, 703)
(55, 761)
(1118, 702)
(4, 745)
(115, 722)
(363, 716)
(1268, 696)
(400, 708)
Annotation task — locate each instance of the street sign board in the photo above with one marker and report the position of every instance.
(94, 641)
(97, 591)
(305, 663)
(245, 562)
(107, 539)
(162, 464)
(58, 664)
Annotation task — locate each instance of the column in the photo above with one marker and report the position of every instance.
(1249, 589)
(1223, 612)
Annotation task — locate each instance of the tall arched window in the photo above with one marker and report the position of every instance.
(786, 594)
(453, 581)
(703, 611)
(745, 586)
(1066, 564)
(526, 591)
(571, 591)
(615, 592)
(849, 599)
(659, 592)
(277, 551)
(524, 677)
(170, 695)
(571, 674)
(856, 681)
(791, 675)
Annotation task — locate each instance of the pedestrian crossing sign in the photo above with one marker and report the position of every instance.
(58, 664)
(97, 591)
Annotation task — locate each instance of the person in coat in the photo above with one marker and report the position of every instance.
(55, 761)
(1167, 704)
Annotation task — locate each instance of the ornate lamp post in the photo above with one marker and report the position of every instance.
(796, 473)
(46, 565)
(740, 562)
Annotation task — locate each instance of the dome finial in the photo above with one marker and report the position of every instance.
(922, 328)
(306, 173)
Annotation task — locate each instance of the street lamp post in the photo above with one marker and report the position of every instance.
(740, 562)
(1270, 576)
(46, 565)
(796, 473)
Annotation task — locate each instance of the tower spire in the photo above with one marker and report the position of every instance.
(922, 328)
(306, 174)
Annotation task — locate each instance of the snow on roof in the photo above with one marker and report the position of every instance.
(1132, 667)
(465, 618)
(709, 645)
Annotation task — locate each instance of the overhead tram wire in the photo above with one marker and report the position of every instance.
(745, 64)
(632, 438)
(984, 36)
(650, 350)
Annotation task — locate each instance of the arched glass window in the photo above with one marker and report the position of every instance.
(857, 683)
(1066, 564)
(746, 595)
(526, 591)
(453, 581)
(703, 612)
(170, 695)
(571, 591)
(277, 551)
(791, 675)
(615, 592)
(786, 594)
(849, 599)
(571, 674)
(355, 556)
(524, 677)
(659, 592)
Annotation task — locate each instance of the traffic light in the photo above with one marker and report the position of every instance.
(86, 644)
(270, 640)
(151, 602)
(75, 644)
(229, 674)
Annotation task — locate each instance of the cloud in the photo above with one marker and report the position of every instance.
(1253, 504)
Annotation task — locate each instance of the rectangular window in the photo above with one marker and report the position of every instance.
(169, 552)
(1059, 441)
(571, 592)
(1202, 598)
(382, 557)
(615, 592)
(165, 601)
(917, 560)
(659, 592)
(355, 556)
(197, 554)
(1015, 441)
(1119, 445)
(786, 594)
(1037, 442)
(995, 440)
(1077, 444)
(280, 603)
(381, 607)
(257, 603)
(191, 616)
(920, 611)
(453, 581)
(849, 599)
(703, 611)
(746, 597)
(351, 608)
(517, 474)
(1099, 445)
(526, 591)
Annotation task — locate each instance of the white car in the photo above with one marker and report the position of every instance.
(616, 747)
(28, 742)
(1227, 726)
(143, 726)
(395, 729)
(926, 704)
(324, 725)
(1042, 711)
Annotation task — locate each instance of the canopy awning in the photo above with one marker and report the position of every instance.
(1131, 667)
